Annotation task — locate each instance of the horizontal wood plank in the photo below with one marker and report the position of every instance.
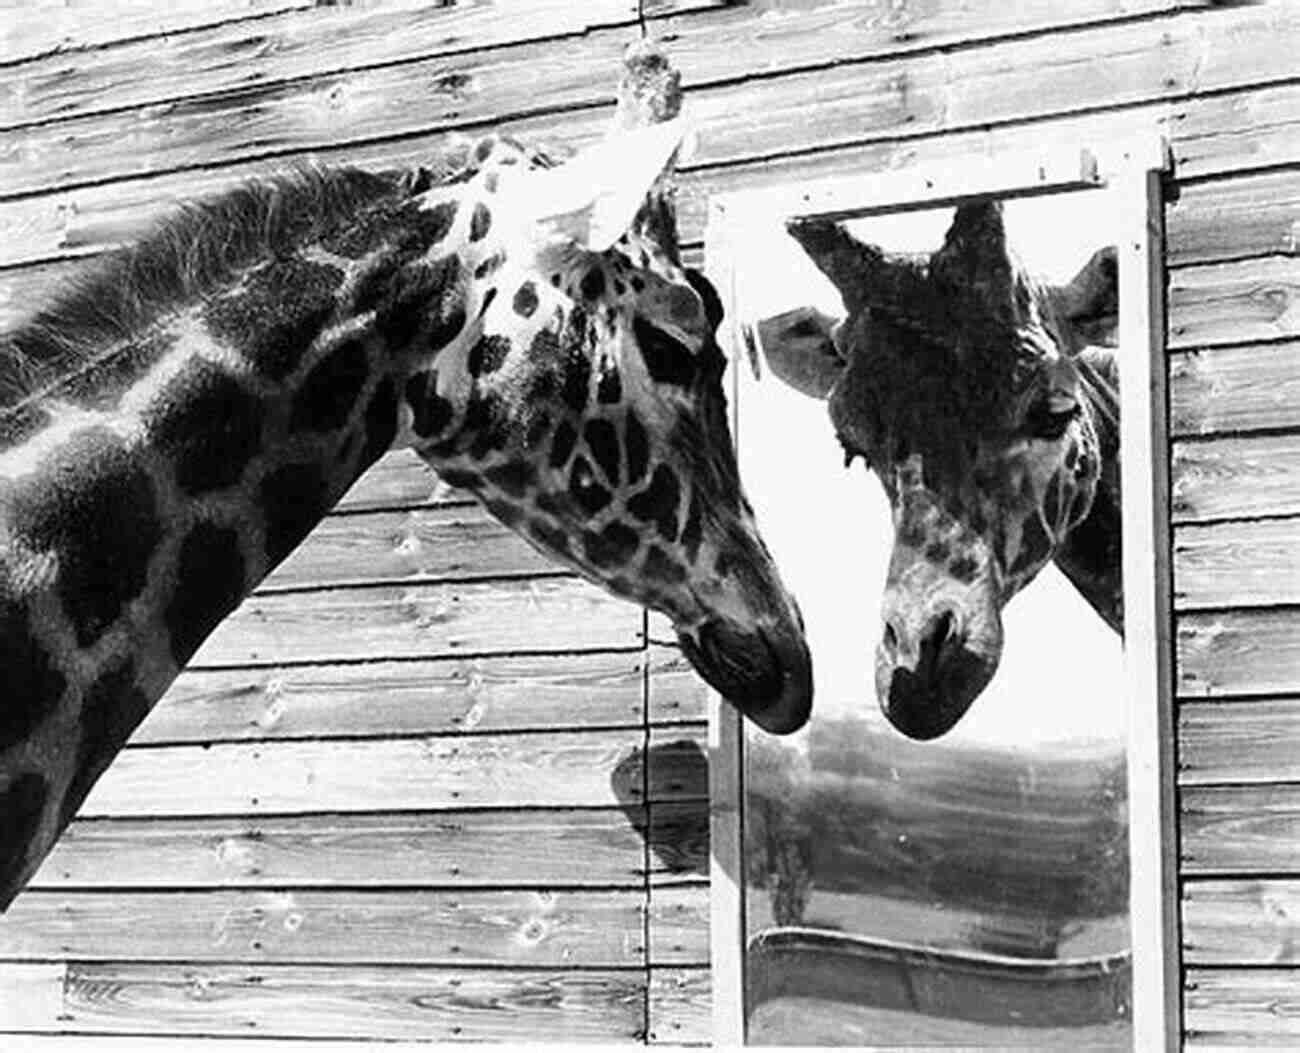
(1237, 564)
(1108, 65)
(446, 849)
(1254, 741)
(1235, 389)
(1223, 219)
(460, 928)
(1225, 1008)
(1234, 303)
(1239, 652)
(459, 543)
(1236, 478)
(680, 1004)
(422, 621)
(51, 27)
(531, 769)
(420, 697)
(300, 1001)
(1252, 921)
(679, 925)
(1239, 829)
(1258, 127)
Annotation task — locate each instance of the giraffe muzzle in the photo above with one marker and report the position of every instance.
(766, 673)
(928, 698)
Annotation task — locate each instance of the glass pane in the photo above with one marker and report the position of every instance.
(973, 887)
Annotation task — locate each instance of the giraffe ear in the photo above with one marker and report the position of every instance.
(590, 201)
(799, 347)
(1091, 301)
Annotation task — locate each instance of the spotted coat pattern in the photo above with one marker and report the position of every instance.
(145, 492)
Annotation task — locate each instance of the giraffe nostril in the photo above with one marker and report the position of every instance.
(945, 629)
(891, 637)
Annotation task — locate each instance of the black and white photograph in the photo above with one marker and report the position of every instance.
(673, 523)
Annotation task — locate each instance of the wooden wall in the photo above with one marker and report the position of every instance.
(260, 860)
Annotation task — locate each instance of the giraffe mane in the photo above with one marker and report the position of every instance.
(189, 253)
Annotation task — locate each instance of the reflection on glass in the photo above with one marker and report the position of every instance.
(941, 855)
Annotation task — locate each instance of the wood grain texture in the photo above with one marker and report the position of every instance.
(1255, 128)
(1237, 564)
(76, 222)
(1234, 303)
(441, 544)
(1256, 215)
(422, 621)
(676, 693)
(1229, 1008)
(399, 480)
(680, 1005)
(454, 928)
(1239, 652)
(392, 1003)
(1235, 478)
(1235, 389)
(231, 57)
(421, 697)
(53, 27)
(1252, 921)
(446, 850)
(1244, 741)
(553, 768)
(679, 925)
(1240, 829)
(1210, 135)
(1107, 65)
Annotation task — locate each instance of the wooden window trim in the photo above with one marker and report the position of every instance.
(1131, 170)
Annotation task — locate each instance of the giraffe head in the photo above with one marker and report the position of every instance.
(581, 399)
(958, 380)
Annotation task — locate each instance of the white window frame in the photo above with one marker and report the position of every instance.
(1131, 170)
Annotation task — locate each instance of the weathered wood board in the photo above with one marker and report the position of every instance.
(485, 848)
(410, 1003)
(417, 697)
(461, 927)
(373, 622)
(543, 769)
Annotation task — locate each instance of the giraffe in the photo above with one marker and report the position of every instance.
(176, 424)
(986, 402)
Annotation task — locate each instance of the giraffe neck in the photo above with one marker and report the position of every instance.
(143, 496)
(1091, 556)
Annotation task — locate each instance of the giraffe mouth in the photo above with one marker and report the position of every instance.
(929, 701)
(765, 673)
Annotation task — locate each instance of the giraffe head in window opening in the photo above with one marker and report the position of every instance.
(984, 401)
